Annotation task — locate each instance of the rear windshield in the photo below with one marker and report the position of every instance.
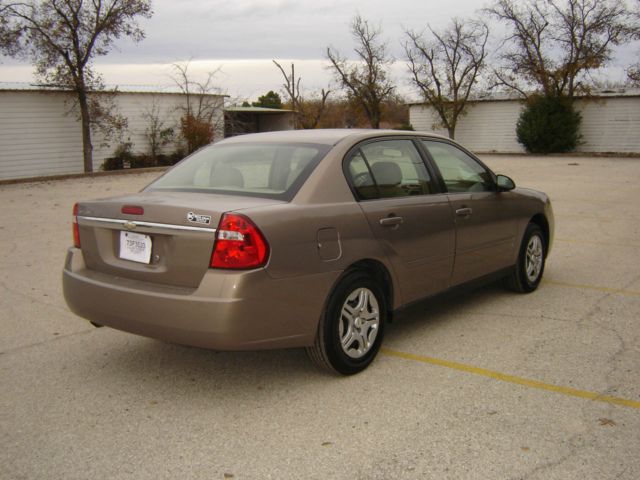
(261, 170)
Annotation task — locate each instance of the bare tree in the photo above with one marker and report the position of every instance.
(307, 112)
(311, 109)
(365, 80)
(9, 30)
(158, 134)
(291, 84)
(203, 116)
(633, 72)
(106, 120)
(554, 44)
(62, 38)
(200, 96)
(446, 67)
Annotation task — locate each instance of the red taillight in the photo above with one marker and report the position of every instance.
(76, 228)
(239, 244)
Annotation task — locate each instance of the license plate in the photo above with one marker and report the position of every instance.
(135, 247)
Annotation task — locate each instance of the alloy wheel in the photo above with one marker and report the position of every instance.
(534, 258)
(359, 323)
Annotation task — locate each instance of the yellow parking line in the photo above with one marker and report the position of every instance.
(591, 242)
(513, 379)
(620, 291)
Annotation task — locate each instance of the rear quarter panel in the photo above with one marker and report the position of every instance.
(325, 203)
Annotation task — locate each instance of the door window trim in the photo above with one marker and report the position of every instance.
(434, 174)
(440, 178)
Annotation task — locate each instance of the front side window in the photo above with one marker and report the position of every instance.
(262, 170)
(387, 169)
(460, 172)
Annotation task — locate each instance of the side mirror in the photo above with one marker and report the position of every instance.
(505, 183)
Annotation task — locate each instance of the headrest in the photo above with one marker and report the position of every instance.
(226, 176)
(387, 173)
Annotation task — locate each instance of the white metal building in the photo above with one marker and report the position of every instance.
(610, 123)
(40, 135)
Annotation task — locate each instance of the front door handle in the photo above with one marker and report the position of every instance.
(391, 221)
(464, 212)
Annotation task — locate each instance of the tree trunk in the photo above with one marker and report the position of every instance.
(375, 120)
(372, 111)
(452, 132)
(87, 148)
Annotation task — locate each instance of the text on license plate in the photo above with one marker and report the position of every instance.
(135, 247)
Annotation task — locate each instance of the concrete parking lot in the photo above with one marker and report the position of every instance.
(486, 385)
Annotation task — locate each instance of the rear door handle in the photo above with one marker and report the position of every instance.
(464, 212)
(391, 221)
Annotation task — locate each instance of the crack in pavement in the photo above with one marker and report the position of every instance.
(44, 342)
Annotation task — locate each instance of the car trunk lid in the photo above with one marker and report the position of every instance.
(158, 237)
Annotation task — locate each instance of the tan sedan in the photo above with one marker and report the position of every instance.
(302, 239)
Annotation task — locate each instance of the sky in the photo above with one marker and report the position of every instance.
(239, 38)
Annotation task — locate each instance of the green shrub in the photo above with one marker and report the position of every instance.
(168, 160)
(549, 125)
(124, 158)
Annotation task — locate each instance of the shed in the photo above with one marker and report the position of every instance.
(40, 133)
(241, 120)
(610, 122)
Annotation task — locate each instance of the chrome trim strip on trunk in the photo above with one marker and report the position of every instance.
(137, 223)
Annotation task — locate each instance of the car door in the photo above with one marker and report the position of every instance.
(407, 213)
(485, 220)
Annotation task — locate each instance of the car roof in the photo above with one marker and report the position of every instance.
(320, 136)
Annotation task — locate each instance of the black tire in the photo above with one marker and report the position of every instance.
(519, 280)
(327, 352)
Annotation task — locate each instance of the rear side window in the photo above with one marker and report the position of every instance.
(263, 170)
(387, 169)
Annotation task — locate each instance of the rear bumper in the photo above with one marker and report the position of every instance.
(245, 310)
